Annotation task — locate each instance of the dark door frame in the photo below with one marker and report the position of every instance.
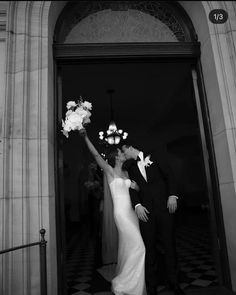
(59, 185)
(138, 52)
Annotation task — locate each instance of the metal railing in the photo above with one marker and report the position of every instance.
(43, 261)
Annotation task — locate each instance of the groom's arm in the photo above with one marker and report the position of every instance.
(169, 177)
(134, 196)
(141, 211)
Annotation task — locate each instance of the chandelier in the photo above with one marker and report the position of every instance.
(112, 135)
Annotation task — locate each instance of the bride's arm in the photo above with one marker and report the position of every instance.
(100, 161)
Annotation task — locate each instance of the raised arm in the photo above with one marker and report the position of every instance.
(100, 161)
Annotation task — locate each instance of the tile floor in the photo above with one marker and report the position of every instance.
(196, 266)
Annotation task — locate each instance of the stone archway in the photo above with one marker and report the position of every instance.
(218, 65)
(28, 185)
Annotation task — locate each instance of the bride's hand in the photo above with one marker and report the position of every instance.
(134, 185)
(82, 132)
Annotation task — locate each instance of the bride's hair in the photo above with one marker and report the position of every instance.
(130, 143)
(111, 157)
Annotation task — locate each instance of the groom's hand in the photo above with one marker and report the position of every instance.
(134, 185)
(142, 213)
(172, 204)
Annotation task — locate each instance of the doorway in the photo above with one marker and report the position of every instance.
(154, 102)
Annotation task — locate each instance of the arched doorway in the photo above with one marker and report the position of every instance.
(77, 51)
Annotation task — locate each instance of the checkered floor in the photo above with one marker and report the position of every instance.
(196, 265)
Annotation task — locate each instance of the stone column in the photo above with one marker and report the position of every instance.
(3, 13)
(218, 59)
(27, 170)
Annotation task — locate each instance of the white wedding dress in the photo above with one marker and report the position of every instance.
(130, 274)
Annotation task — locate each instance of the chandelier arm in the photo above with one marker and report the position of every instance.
(111, 91)
(113, 135)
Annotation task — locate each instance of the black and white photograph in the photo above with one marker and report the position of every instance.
(117, 147)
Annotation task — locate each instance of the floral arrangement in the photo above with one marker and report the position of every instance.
(77, 116)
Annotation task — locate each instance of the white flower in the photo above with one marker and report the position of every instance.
(87, 118)
(73, 122)
(81, 112)
(68, 113)
(86, 105)
(147, 161)
(77, 116)
(65, 133)
(71, 104)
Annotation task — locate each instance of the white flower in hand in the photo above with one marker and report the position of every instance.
(77, 115)
(70, 104)
(87, 118)
(147, 161)
(86, 105)
(81, 112)
(74, 120)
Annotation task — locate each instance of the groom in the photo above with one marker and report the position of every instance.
(154, 205)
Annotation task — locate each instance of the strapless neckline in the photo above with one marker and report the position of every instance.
(119, 178)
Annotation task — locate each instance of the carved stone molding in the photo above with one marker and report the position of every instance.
(126, 50)
(3, 16)
(173, 20)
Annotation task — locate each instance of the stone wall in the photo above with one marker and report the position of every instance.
(218, 59)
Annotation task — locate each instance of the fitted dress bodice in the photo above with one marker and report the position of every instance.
(120, 194)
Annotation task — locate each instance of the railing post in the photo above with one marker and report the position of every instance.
(43, 263)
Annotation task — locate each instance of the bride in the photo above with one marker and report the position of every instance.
(130, 277)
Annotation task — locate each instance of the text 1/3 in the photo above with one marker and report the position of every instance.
(218, 16)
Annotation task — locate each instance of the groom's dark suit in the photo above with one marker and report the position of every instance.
(153, 195)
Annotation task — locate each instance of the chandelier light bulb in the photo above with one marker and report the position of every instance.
(117, 139)
(112, 135)
(110, 140)
(125, 134)
(112, 126)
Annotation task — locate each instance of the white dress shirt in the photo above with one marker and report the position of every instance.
(141, 165)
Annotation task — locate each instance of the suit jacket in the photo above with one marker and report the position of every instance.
(159, 186)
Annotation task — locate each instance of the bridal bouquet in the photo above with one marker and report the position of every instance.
(77, 116)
